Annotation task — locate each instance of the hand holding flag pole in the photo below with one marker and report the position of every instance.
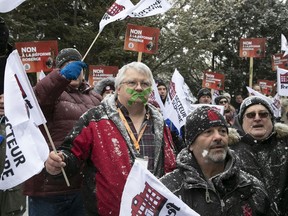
(55, 150)
(35, 111)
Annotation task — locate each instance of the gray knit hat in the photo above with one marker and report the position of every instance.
(66, 55)
(253, 100)
(201, 119)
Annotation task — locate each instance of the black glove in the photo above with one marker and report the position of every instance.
(72, 70)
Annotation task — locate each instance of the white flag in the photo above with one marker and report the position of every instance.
(178, 102)
(123, 8)
(273, 102)
(41, 75)
(8, 5)
(284, 45)
(154, 96)
(14, 64)
(118, 11)
(144, 194)
(147, 8)
(26, 148)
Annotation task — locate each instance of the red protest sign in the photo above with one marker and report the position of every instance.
(279, 61)
(252, 47)
(267, 86)
(141, 39)
(213, 81)
(38, 56)
(96, 73)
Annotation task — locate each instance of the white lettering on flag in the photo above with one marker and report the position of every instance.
(8, 5)
(144, 194)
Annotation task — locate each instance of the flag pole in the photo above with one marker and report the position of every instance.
(91, 46)
(54, 149)
(139, 57)
(251, 72)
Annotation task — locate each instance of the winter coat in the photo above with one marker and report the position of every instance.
(231, 193)
(268, 161)
(62, 107)
(101, 140)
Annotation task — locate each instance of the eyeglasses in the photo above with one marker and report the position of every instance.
(252, 115)
(223, 102)
(133, 84)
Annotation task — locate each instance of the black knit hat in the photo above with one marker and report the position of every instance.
(201, 119)
(66, 55)
(253, 100)
(202, 92)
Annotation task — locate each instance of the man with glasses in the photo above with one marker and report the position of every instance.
(263, 149)
(208, 177)
(111, 136)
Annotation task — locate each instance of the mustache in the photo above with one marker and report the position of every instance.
(218, 144)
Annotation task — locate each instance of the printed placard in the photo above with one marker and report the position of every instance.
(213, 81)
(99, 72)
(141, 39)
(267, 86)
(38, 56)
(252, 47)
(279, 61)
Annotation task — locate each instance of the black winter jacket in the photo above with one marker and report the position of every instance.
(268, 161)
(232, 192)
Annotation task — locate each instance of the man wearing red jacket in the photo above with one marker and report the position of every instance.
(111, 136)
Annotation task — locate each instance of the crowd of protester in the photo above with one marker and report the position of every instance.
(233, 163)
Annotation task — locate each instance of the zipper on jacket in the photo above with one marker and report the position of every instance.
(222, 205)
(207, 196)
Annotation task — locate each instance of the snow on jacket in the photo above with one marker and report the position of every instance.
(100, 139)
(62, 107)
(231, 193)
(268, 161)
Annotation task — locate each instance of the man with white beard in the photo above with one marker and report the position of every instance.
(208, 176)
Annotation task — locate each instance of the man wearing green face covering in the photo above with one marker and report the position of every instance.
(111, 136)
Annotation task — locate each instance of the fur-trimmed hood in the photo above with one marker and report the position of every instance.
(109, 81)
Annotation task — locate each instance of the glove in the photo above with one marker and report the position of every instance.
(72, 70)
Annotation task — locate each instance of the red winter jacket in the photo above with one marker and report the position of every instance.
(100, 139)
(62, 106)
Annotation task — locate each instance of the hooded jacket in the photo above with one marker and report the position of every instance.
(101, 140)
(62, 106)
(232, 192)
(99, 87)
(268, 161)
